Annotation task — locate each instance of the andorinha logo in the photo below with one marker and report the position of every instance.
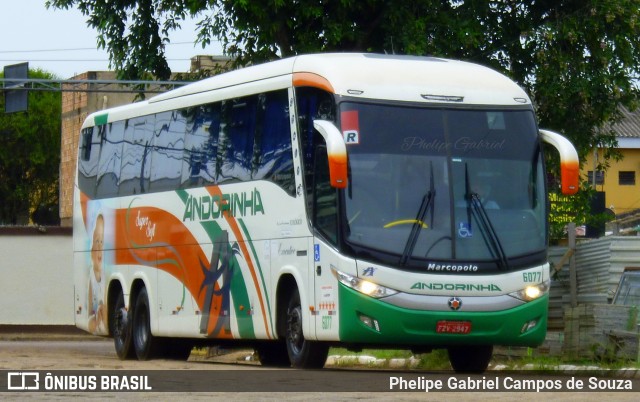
(230, 205)
(468, 287)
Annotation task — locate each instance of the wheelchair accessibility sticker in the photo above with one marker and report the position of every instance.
(464, 230)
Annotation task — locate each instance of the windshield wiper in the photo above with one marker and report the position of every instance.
(427, 201)
(489, 233)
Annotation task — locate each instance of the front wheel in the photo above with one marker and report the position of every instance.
(302, 353)
(470, 359)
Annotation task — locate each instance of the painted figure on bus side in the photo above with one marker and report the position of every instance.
(96, 307)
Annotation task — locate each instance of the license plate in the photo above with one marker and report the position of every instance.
(453, 327)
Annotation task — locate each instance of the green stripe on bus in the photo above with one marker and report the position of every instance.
(237, 286)
(241, 304)
(184, 196)
(101, 119)
(259, 267)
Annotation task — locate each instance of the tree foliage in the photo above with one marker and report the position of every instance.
(30, 159)
(578, 58)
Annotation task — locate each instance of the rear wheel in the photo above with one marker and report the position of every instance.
(470, 359)
(302, 353)
(145, 344)
(120, 323)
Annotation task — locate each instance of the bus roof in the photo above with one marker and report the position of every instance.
(371, 76)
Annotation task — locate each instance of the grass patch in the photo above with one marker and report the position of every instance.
(436, 360)
(547, 362)
(377, 353)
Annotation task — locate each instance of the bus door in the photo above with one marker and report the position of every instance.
(325, 254)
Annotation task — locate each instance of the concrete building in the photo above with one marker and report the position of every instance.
(621, 182)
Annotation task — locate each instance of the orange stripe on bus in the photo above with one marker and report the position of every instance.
(312, 80)
(173, 249)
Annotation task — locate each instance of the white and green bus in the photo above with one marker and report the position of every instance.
(359, 200)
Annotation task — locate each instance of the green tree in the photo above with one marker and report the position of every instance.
(578, 58)
(30, 159)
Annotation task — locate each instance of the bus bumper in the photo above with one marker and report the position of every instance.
(364, 319)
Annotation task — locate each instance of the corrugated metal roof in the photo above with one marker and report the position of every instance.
(629, 125)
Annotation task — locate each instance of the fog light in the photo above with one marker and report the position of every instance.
(528, 326)
(369, 322)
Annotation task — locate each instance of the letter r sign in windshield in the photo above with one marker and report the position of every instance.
(350, 123)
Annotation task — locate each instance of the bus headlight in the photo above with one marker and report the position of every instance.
(362, 286)
(532, 292)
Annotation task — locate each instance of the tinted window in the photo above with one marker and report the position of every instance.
(235, 148)
(168, 150)
(136, 156)
(112, 136)
(88, 160)
(201, 145)
(325, 211)
(272, 153)
(312, 104)
(230, 141)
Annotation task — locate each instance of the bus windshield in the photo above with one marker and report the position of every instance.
(432, 187)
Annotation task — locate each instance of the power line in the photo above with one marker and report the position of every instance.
(49, 50)
(112, 86)
(70, 60)
(85, 48)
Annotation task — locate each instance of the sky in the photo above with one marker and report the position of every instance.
(60, 42)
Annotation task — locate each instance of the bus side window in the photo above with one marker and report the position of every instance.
(311, 103)
(272, 155)
(325, 198)
(235, 147)
(136, 156)
(108, 179)
(168, 149)
(201, 145)
(88, 161)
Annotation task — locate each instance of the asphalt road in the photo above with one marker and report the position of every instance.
(88, 357)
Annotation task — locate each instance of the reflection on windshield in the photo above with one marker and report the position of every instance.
(404, 156)
(476, 200)
(419, 222)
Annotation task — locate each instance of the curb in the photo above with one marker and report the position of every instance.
(45, 333)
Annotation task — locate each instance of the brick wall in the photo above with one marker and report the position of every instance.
(78, 101)
(74, 111)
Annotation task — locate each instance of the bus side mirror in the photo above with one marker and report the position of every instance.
(336, 151)
(569, 165)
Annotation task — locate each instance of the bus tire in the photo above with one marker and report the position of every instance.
(121, 329)
(302, 353)
(273, 354)
(470, 358)
(145, 344)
